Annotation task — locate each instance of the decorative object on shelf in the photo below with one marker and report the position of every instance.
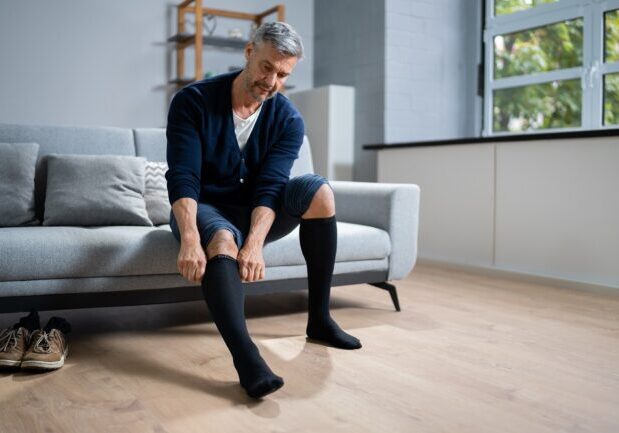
(210, 24)
(209, 74)
(252, 30)
(235, 33)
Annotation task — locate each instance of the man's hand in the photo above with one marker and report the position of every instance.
(191, 261)
(251, 262)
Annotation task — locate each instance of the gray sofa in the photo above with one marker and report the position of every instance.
(53, 267)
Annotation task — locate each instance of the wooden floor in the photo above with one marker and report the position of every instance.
(467, 353)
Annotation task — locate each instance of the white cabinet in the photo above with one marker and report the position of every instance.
(329, 116)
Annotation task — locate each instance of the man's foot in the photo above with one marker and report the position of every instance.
(256, 377)
(330, 332)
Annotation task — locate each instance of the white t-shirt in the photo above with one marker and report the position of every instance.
(243, 127)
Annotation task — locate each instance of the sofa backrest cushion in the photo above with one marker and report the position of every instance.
(151, 143)
(66, 139)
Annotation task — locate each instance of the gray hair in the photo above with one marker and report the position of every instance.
(282, 36)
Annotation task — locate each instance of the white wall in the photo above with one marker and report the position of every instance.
(94, 62)
(547, 208)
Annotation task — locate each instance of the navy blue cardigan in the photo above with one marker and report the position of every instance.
(204, 158)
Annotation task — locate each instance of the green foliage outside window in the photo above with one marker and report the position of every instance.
(611, 99)
(555, 46)
(538, 106)
(502, 7)
(611, 32)
(611, 54)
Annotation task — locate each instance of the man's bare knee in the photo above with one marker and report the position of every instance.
(222, 242)
(322, 204)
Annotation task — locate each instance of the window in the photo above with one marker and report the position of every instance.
(551, 65)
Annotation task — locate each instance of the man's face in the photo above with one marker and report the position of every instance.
(266, 70)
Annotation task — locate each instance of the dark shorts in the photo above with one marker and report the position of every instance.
(297, 197)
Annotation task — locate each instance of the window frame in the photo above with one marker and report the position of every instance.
(591, 73)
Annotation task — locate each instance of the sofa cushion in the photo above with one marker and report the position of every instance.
(156, 192)
(95, 190)
(17, 164)
(354, 242)
(30, 253)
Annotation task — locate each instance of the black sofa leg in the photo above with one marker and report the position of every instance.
(392, 291)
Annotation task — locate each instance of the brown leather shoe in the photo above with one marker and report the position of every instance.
(47, 350)
(13, 344)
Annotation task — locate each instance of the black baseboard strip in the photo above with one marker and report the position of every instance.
(11, 304)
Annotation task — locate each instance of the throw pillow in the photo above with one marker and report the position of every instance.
(17, 168)
(156, 192)
(95, 190)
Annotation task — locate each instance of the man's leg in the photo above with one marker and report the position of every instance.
(318, 238)
(223, 292)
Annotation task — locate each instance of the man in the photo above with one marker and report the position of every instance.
(232, 140)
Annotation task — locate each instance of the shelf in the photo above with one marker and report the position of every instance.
(181, 81)
(213, 41)
(195, 38)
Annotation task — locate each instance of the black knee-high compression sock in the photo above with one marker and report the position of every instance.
(223, 292)
(318, 238)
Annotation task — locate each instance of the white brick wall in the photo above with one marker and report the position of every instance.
(431, 52)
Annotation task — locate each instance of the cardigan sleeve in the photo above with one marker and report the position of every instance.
(275, 169)
(184, 148)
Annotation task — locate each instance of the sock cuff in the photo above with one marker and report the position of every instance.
(312, 221)
(221, 256)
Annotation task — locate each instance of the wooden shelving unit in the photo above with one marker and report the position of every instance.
(182, 39)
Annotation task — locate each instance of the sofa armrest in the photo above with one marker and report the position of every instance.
(393, 207)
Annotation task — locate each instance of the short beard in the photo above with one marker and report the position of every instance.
(247, 84)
